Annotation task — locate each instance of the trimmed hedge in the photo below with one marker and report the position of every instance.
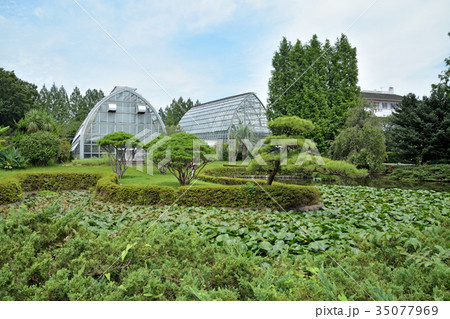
(10, 191)
(229, 171)
(242, 196)
(247, 194)
(57, 181)
(108, 190)
(232, 181)
(289, 197)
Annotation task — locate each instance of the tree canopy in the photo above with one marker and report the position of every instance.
(362, 141)
(173, 113)
(184, 155)
(118, 146)
(420, 130)
(16, 97)
(275, 151)
(317, 82)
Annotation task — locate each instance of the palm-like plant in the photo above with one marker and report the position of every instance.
(37, 120)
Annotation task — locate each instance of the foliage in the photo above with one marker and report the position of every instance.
(394, 247)
(328, 167)
(290, 196)
(10, 191)
(173, 113)
(37, 120)
(40, 147)
(421, 127)
(64, 155)
(241, 134)
(108, 190)
(57, 181)
(93, 161)
(69, 112)
(438, 172)
(11, 158)
(16, 97)
(118, 146)
(290, 129)
(188, 155)
(362, 142)
(314, 81)
(2, 130)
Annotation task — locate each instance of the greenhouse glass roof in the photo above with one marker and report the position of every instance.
(217, 120)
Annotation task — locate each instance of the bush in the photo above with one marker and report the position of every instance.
(10, 191)
(11, 158)
(288, 196)
(392, 157)
(108, 190)
(93, 161)
(40, 147)
(57, 181)
(64, 151)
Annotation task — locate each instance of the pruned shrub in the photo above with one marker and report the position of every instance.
(40, 147)
(10, 191)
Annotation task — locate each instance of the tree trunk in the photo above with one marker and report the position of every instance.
(273, 173)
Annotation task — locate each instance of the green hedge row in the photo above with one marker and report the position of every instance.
(232, 181)
(247, 194)
(289, 197)
(10, 191)
(12, 188)
(228, 171)
(107, 189)
(57, 181)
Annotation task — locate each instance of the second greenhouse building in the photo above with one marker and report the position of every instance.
(219, 120)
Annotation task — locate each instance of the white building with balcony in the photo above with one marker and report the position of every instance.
(384, 101)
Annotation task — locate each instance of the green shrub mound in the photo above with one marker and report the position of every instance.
(249, 195)
(57, 181)
(40, 147)
(10, 191)
(108, 190)
(287, 197)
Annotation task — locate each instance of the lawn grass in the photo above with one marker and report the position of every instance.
(133, 175)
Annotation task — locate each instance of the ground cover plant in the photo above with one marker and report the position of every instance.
(394, 243)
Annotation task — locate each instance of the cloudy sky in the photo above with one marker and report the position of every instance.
(209, 49)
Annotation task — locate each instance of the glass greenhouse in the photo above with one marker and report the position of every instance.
(122, 110)
(217, 120)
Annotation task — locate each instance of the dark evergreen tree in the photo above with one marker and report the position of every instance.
(173, 113)
(91, 97)
(314, 81)
(421, 127)
(16, 97)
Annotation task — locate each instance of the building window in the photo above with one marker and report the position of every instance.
(141, 109)
(112, 107)
(384, 106)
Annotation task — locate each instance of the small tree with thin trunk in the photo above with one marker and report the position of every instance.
(120, 147)
(184, 155)
(287, 137)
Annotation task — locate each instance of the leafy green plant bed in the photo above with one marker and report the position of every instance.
(438, 172)
(393, 244)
